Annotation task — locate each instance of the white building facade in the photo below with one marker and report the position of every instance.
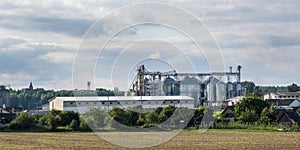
(82, 104)
(283, 95)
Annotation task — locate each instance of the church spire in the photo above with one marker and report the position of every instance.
(30, 86)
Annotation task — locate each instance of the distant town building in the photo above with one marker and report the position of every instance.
(228, 113)
(235, 100)
(282, 95)
(286, 104)
(6, 116)
(29, 88)
(82, 104)
(289, 117)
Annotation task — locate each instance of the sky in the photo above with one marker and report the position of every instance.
(60, 44)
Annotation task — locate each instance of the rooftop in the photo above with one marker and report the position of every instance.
(292, 116)
(123, 98)
(287, 93)
(280, 102)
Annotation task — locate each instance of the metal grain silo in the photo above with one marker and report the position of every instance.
(230, 90)
(220, 92)
(158, 88)
(238, 89)
(147, 87)
(168, 86)
(211, 90)
(190, 86)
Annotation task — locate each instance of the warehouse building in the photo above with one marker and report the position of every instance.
(82, 104)
(282, 95)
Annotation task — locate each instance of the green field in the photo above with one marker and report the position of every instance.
(184, 140)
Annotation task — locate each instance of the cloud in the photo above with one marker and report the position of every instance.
(72, 27)
(155, 55)
(58, 57)
(25, 60)
(38, 39)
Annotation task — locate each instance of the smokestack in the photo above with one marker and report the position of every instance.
(239, 67)
(88, 85)
(230, 69)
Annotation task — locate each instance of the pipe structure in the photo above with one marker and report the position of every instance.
(239, 67)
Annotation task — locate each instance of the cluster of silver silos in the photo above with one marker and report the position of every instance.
(205, 88)
(204, 92)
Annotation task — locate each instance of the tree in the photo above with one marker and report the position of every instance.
(252, 105)
(67, 117)
(257, 92)
(293, 88)
(132, 117)
(21, 122)
(95, 117)
(74, 125)
(104, 92)
(268, 115)
(83, 125)
(117, 92)
(46, 96)
(249, 85)
(52, 119)
(14, 99)
(118, 117)
(152, 117)
(248, 116)
(53, 122)
(166, 113)
(197, 118)
(55, 118)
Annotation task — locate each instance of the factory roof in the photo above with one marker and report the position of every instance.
(281, 102)
(123, 98)
(287, 93)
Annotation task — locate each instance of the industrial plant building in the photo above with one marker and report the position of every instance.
(4, 97)
(159, 89)
(207, 89)
(82, 104)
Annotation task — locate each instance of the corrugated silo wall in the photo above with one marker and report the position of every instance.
(211, 92)
(220, 92)
(191, 87)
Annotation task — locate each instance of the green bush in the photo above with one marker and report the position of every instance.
(74, 125)
(245, 126)
(249, 109)
(294, 128)
(83, 126)
(22, 122)
(56, 118)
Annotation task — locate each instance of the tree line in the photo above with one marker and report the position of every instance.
(100, 119)
(250, 112)
(33, 99)
(255, 90)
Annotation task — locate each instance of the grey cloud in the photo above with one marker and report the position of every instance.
(279, 41)
(245, 30)
(72, 27)
(5, 42)
(27, 60)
